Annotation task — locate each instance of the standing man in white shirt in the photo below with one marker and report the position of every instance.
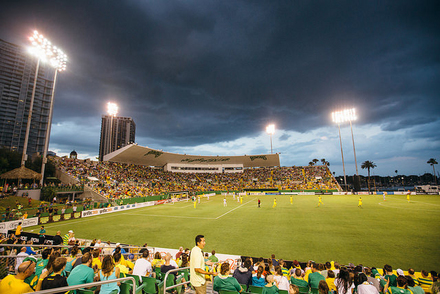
(197, 266)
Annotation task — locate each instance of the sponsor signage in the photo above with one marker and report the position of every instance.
(12, 225)
(100, 211)
(306, 193)
(289, 193)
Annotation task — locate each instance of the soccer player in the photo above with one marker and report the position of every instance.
(224, 202)
(384, 196)
(259, 202)
(195, 202)
(407, 195)
(199, 199)
(320, 200)
(360, 202)
(291, 199)
(241, 199)
(274, 203)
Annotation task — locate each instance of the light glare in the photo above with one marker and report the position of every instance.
(270, 129)
(344, 115)
(112, 108)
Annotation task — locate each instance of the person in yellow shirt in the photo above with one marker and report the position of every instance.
(330, 280)
(96, 261)
(320, 201)
(122, 268)
(18, 230)
(291, 199)
(360, 202)
(15, 284)
(274, 203)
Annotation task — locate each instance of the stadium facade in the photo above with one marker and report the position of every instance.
(116, 132)
(173, 162)
(17, 74)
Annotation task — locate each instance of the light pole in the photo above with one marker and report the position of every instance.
(336, 119)
(41, 48)
(270, 129)
(112, 110)
(58, 61)
(343, 116)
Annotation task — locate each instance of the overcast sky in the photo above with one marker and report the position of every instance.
(206, 77)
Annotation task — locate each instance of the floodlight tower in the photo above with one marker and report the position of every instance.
(270, 129)
(42, 49)
(350, 115)
(58, 61)
(337, 118)
(112, 111)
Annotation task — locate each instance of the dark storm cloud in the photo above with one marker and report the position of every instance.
(193, 72)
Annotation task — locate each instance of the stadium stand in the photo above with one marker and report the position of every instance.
(120, 180)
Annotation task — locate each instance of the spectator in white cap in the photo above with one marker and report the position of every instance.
(400, 272)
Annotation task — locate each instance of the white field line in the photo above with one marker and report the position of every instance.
(415, 201)
(175, 216)
(234, 209)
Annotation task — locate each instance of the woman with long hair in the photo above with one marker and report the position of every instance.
(281, 281)
(344, 283)
(258, 279)
(224, 281)
(109, 272)
(72, 259)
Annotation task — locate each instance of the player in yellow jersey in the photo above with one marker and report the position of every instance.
(291, 199)
(360, 202)
(241, 199)
(274, 203)
(320, 201)
(407, 195)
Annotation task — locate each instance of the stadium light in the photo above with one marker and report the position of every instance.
(58, 61)
(337, 118)
(112, 111)
(344, 116)
(44, 51)
(270, 129)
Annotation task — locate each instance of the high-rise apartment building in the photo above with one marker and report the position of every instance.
(17, 73)
(116, 132)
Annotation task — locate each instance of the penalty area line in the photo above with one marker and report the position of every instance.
(175, 216)
(234, 209)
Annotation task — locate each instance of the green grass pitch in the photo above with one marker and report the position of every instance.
(393, 231)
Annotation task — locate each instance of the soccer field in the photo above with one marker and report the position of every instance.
(393, 231)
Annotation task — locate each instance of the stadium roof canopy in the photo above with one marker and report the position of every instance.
(139, 155)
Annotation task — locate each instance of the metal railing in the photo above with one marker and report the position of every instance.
(165, 288)
(76, 287)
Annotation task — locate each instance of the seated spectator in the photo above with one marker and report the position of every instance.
(213, 258)
(330, 280)
(425, 281)
(400, 289)
(15, 283)
(389, 276)
(83, 273)
(109, 272)
(373, 281)
(42, 262)
(142, 267)
(364, 286)
(56, 280)
(343, 282)
(413, 287)
(157, 261)
(293, 289)
(122, 250)
(323, 287)
(49, 266)
(328, 267)
(298, 279)
(96, 262)
(315, 276)
(224, 282)
(258, 279)
(178, 254)
(57, 239)
(270, 287)
(411, 273)
(243, 274)
(20, 257)
(167, 266)
(71, 260)
(29, 249)
(122, 268)
(280, 279)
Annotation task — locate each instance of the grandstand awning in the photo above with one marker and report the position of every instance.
(139, 155)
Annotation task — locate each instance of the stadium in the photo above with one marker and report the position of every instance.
(245, 206)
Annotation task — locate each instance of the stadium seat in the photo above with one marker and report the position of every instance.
(126, 288)
(150, 283)
(136, 278)
(244, 286)
(314, 291)
(283, 292)
(84, 291)
(255, 289)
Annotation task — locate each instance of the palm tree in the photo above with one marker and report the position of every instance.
(315, 161)
(311, 163)
(368, 165)
(431, 162)
(325, 162)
